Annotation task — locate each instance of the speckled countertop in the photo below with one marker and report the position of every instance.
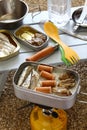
(13, 119)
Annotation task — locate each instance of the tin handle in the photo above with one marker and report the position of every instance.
(82, 101)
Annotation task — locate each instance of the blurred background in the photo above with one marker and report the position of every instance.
(42, 4)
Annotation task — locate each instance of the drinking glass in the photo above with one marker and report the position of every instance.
(59, 11)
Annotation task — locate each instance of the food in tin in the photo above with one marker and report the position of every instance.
(6, 48)
(44, 89)
(67, 80)
(53, 82)
(36, 39)
(9, 46)
(31, 36)
(45, 68)
(29, 78)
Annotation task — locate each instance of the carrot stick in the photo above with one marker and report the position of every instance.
(44, 89)
(47, 75)
(51, 83)
(45, 67)
(41, 54)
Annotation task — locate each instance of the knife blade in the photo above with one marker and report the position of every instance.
(82, 17)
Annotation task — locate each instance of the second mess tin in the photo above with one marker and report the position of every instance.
(9, 46)
(46, 85)
(31, 37)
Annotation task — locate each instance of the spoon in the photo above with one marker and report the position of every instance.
(52, 31)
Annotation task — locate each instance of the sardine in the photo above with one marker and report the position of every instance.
(24, 75)
(34, 79)
(27, 82)
(5, 42)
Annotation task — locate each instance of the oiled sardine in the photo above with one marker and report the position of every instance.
(24, 75)
(27, 82)
(6, 48)
(5, 41)
(34, 79)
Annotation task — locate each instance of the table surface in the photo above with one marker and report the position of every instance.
(77, 44)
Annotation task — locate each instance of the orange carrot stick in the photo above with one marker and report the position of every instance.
(41, 54)
(51, 83)
(47, 75)
(44, 89)
(45, 67)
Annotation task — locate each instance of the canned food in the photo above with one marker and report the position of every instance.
(9, 46)
(46, 85)
(31, 37)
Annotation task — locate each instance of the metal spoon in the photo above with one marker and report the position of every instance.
(82, 17)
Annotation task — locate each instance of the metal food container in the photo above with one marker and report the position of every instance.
(75, 16)
(9, 46)
(46, 99)
(12, 13)
(31, 37)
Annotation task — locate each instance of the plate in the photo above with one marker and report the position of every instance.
(75, 16)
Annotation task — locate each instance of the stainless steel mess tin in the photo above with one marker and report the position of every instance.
(28, 78)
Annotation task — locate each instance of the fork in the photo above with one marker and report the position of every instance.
(63, 57)
(52, 31)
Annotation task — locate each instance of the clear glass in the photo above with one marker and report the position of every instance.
(59, 11)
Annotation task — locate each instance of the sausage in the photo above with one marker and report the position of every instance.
(41, 54)
(45, 68)
(47, 75)
(44, 89)
(51, 83)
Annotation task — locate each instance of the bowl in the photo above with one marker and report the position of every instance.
(12, 13)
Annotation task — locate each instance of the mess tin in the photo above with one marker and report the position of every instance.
(9, 46)
(31, 37)
(46, 85)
